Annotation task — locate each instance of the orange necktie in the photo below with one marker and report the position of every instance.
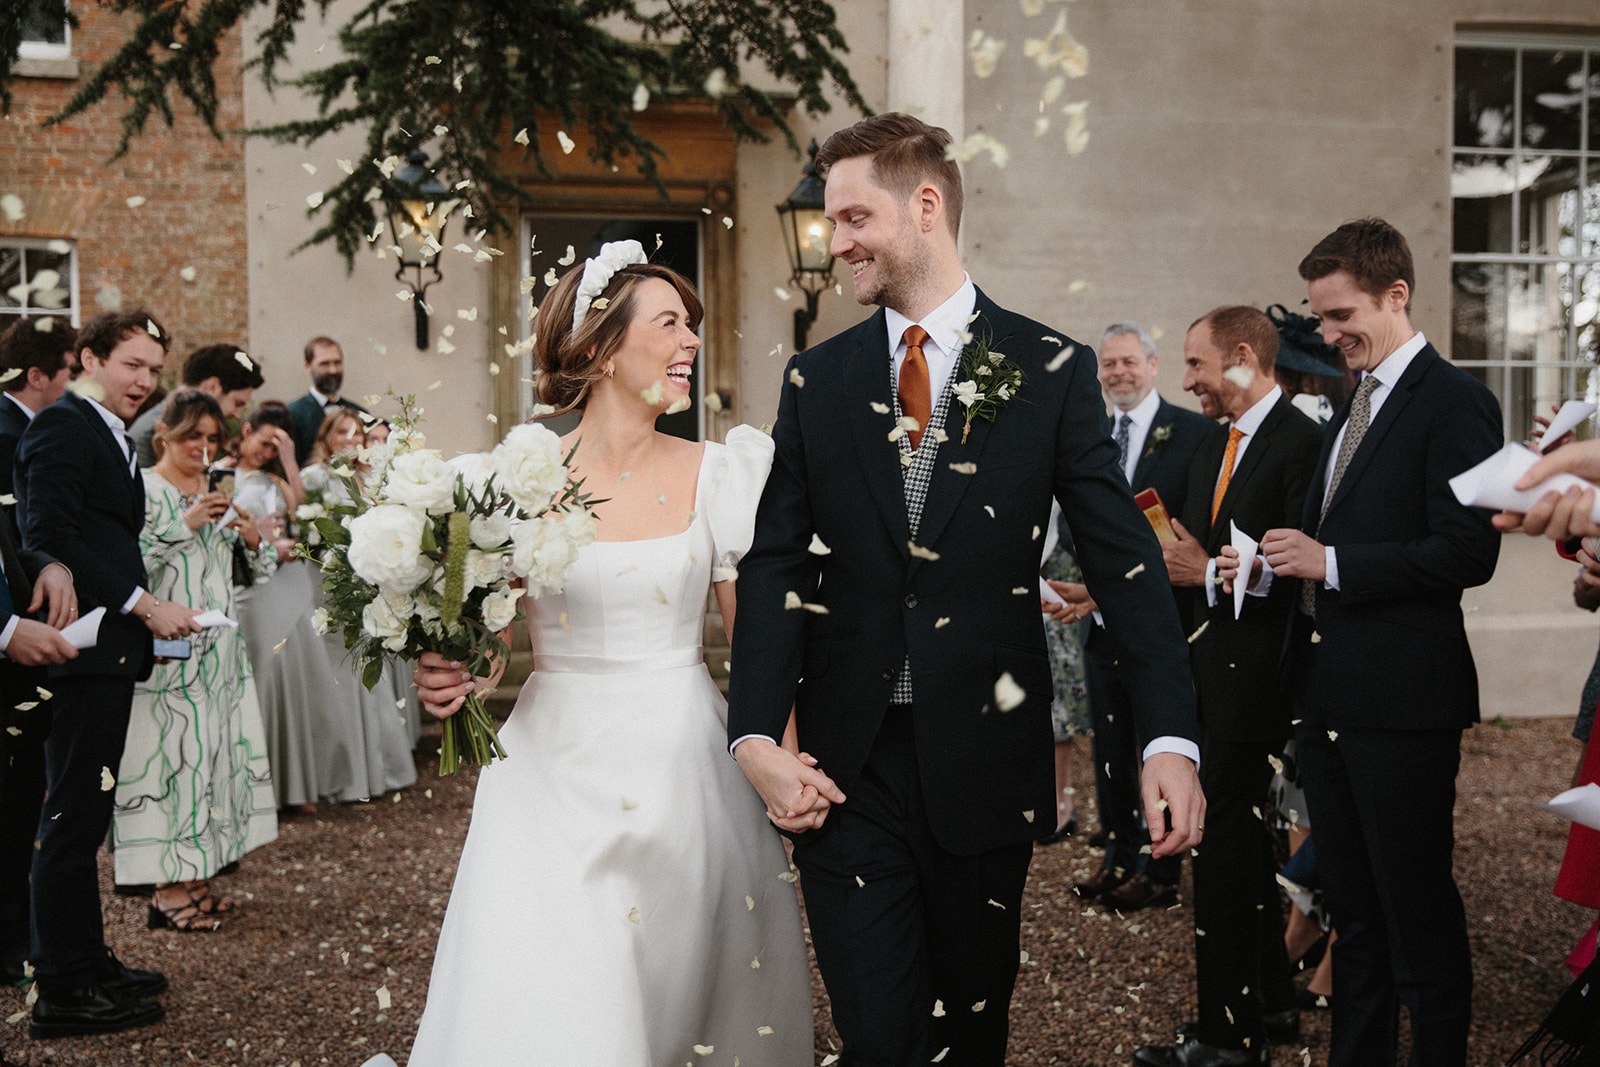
(1235, 435)
(915, 400)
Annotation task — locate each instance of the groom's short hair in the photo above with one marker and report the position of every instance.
(906, 152)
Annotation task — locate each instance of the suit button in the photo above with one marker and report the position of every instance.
(911, 600)
(888, 674)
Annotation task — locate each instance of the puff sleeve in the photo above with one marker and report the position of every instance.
(737, 474)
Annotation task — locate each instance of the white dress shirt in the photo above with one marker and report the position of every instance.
(1141, 417)
(1248, 424)
(945, 325)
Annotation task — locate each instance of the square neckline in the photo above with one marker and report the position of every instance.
(694, 516)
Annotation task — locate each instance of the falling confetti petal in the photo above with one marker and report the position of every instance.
(11, 207)
(921, 553)
(641, 97)
(634, 916)
(859, 882)
(938, 1009)
(522, 136)
(716, 83)
(817, 548)
(979, 1005)
(550, 278)
(1007, 693)
(569, 259)
(797, 378)
(964, 468)
(1135, 572)
(942, 1054)
(566, 142)
(188, 274)
(881, 409)
(314, 199)
(1242, 376)
(1196, 635)
(781, 292)
(135, 201)
(727, 222)
(985, 52)
(108, 781)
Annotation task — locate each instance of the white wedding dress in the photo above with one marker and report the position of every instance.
(621, 897)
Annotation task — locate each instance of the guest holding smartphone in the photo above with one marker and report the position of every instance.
(194, 792)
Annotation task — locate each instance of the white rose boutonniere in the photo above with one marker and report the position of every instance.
(1001, 381)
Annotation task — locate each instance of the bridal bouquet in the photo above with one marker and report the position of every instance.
(420, 555)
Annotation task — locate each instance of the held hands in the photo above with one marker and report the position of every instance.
(209, 508)
(796, 793)
(1186, 557)
(1228, 569)
(1559, 516)
(1293, 554)
(1174, 806)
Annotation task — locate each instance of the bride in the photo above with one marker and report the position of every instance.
(621, 897)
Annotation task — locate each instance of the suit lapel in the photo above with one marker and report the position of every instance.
(1166, 414)
(130, 483)
(1399, 396)
(866, 380)
(946, 487)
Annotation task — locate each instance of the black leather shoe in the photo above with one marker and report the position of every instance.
(91, 1010)
(131, 981)
(1099, 839)
(1283, 1028)
(1105, 880)
(1141, 891)
(1200, 1054)
(1069, 830)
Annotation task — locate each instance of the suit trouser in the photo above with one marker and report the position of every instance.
(1382, 813)
(899, 923)
(1240, 959)
(1116, 770)
(21, 798)
(87, 736)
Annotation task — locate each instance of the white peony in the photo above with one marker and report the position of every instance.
(542, 553)
(483, 569)
(379, 620)
(386, 547)
(491, 531)
(421, 480)
(500, 608)
(475, 470)
(528, 463)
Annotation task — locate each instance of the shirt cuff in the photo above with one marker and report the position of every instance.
(1331, 577)
(132, 600)
(1181, 745)
(1211, 583)
(741, 740)
(5, 635)
(1263, 584)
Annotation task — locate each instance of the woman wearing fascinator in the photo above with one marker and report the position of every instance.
(621, 897)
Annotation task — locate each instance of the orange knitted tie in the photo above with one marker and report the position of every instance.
(915, 400)
(1235, 435)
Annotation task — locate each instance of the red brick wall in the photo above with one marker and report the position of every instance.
(193, 185)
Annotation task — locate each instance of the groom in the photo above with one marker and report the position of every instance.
(891, 598)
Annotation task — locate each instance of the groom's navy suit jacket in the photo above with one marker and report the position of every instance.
(966, 618)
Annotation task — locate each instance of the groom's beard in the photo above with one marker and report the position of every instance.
(328, 384)
(900, 271)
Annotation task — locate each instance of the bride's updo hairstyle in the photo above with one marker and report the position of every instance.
(566, 364)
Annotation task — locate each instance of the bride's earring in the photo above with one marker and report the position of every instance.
(611, 370)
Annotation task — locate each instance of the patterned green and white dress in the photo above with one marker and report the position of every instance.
(194, 792)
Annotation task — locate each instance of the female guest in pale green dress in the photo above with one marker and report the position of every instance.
(193, 792)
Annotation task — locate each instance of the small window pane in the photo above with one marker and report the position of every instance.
(1485, 81)
(1536, 315)
(1552, 100)
(1548, 204)
(10, 276)
(44, 21)
(1591, 205)
(1477, 313)
(1481, 188)
(50, 274)
(1586, 316)
(1594, 101)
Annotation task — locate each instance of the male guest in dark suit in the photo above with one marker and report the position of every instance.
(1383, 678)
(1255, 477)
(926, 686)
(43, 362)
(79, 499)
(325, 365)
(1155, 442)
(39, 364)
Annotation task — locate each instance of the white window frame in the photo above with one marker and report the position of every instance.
(73, 311)
(49, 49)
(1498, 368)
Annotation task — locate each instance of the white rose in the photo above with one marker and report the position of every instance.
(528, 463)
(542, 553)
(491, 531)
(500, 609)
(386, 547)
(379, 620)
(475, 470)
(483, 569)
(421, 480)
(581, 527)
(307, 512)
(319, 620)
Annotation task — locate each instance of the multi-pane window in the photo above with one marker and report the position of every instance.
(45, 33)
(1525, 186)
(37, 278)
